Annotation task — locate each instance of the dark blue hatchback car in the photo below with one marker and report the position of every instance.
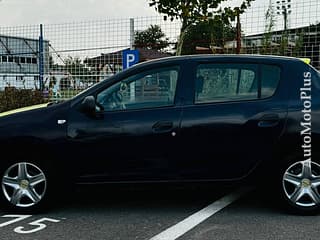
(192, 118)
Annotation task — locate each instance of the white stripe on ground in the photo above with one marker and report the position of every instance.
(195, 219)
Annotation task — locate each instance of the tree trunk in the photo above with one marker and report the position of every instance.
(183, 31)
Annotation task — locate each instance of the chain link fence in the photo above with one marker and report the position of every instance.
(64, 59)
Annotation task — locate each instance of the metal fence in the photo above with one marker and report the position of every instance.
(64, 59)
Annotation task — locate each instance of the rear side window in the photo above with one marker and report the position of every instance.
(235, 82)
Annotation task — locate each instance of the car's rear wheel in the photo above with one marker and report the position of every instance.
(301, 186)
(24, 185)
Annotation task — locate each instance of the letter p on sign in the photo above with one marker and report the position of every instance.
(129, 58)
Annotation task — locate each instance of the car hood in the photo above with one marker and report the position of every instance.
(24, 109)
(38, 121)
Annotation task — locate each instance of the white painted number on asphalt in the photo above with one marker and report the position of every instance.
(18, 218)
(39, 225)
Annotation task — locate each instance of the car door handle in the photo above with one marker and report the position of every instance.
(269, 120)
(162, 126)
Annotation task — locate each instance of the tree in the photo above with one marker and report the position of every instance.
(151, 38)
(209, 34)
(193, 11)
(75, 67)
(268, 32)
(76, 70)
(298, 46)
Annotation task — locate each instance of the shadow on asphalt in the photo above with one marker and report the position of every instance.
(173, 197)
(167, 196)
(151, 195)
(266, 201)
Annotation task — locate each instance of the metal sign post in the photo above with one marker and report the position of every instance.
(41, 63)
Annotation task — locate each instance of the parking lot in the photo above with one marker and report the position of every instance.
(159, 212)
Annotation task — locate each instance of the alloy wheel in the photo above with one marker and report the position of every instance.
(24, 184)
(301, 184)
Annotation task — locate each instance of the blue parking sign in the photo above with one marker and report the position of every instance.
(129, 58)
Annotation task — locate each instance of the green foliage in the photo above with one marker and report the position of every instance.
(76, 68)
(211, 33)
(297, 50)
(283, 44)
(293, 49)
(72, 65)
(281, 47)
(190, 11)
(193, 11)
(151, 38)
(13, 98)
(269, 26)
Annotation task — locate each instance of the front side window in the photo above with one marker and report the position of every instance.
(154, 88)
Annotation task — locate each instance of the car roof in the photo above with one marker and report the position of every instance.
(222, 56)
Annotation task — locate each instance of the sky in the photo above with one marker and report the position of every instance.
(24, 12)
(18, 12)
(80, 28)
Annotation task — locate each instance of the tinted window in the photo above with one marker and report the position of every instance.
(226, 82)
(270, 77)
(155, 88)
(235, 82)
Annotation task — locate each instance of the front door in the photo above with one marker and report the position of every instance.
(132, 135)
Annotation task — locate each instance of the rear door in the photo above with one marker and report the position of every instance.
(235, 115)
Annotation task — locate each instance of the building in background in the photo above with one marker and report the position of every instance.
(19, 62)
(108, 64)
(300, 42)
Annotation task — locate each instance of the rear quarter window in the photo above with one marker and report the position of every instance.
(270, 78)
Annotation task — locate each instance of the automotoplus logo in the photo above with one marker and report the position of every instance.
(306, 123)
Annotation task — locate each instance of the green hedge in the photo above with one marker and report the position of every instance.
(12, 98)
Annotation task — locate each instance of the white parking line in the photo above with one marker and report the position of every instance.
(195, 219)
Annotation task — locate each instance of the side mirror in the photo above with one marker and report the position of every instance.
(88, 105)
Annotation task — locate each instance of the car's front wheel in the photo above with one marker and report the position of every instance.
(24, 185)
(301, 186)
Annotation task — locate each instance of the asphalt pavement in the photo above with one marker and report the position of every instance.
(146, 212)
